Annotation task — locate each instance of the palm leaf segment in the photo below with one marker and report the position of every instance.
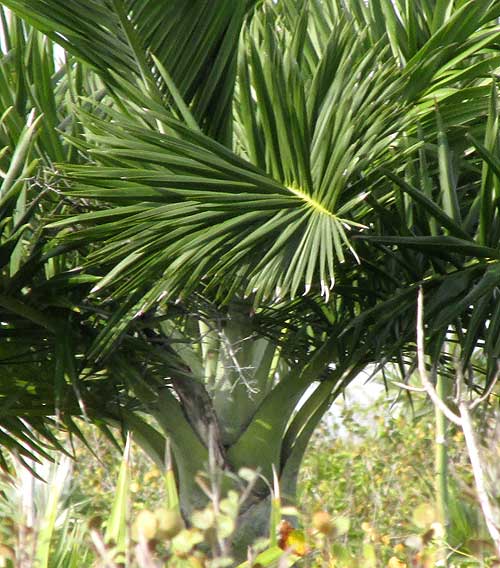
(318, 154)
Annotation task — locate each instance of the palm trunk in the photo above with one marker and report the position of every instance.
(217, 424)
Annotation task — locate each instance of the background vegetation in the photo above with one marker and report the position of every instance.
(369, 471)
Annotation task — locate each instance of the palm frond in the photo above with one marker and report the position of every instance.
(193, 41)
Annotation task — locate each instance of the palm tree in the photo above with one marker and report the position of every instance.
(241, 201)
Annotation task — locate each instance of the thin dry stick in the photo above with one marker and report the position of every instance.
(408, 387)
(464, 421)
(102, 550)
(426, 383)
(477, 470)
(481, 399)
(144, 556)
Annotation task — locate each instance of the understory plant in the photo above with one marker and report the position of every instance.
(366, 495)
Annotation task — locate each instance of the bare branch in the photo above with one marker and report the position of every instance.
(408, 387)
(479, 478)
(428, 386)
(482, 398)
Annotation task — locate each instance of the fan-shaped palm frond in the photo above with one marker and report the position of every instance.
(268, 228)
(316, 145)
